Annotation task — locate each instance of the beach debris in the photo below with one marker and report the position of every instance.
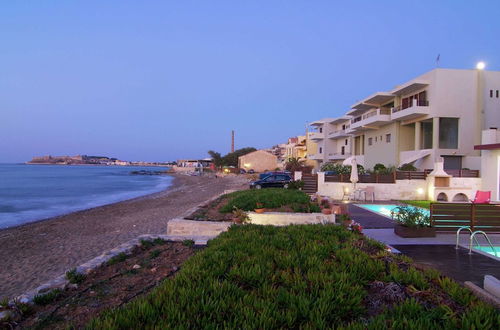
(136, 266)
(153, 270)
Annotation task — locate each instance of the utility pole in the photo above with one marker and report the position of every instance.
(232, 141)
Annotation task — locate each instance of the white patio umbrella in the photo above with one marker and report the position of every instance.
(354, 173)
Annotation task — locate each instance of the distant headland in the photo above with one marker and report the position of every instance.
(89, 160)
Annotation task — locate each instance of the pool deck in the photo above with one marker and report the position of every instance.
(438, 252)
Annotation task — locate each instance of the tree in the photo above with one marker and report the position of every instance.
(230, 159)
(216, 158)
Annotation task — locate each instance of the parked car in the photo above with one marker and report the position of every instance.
(265, 174)
(250, 171)
(272, 181)
(242, 171)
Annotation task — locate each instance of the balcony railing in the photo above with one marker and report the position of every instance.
(371, 113)
(415, 103)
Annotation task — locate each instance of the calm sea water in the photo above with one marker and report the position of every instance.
(34, 192)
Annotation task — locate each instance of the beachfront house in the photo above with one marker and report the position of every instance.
(259, 161)
(438, 114)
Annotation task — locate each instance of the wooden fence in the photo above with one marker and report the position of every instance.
(363, 178)
(451, 216)
(459, 173)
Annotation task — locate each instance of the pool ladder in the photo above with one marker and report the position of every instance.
(473, 237)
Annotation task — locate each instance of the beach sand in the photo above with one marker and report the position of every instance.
(35, 253)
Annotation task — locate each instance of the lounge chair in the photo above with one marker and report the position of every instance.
(482, 197)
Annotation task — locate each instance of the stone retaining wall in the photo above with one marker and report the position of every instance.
(284, 219)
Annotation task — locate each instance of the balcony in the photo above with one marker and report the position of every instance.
(418, 108)
(316, 136)
(341, 133)
(338, 156)
(316, 156)
(371, 119)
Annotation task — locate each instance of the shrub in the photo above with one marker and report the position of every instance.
(410, 216)
(47, 298)
(296, 185)
(241, 215)
(154, 254)
(74, 277)
(407, 167)
(188, 242)
(378, 167)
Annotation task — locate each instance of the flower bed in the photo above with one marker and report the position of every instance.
(309, 276)
(272, 199)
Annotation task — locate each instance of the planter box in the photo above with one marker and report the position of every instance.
(412, 232)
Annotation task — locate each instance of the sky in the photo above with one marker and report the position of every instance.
(163, 80)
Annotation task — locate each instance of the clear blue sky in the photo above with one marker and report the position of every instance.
(161, 80)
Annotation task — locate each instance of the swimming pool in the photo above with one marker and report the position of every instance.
(385, 209)
(486, 248)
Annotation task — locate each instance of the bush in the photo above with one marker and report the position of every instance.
(271, 198)
(335, 168)
(407, 167)
(188, 242)
(74, 277)
(296, 185)
(47, 298)
(411, 216)
(118, 258)
(379, 167)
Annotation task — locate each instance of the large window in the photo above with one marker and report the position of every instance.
(448, 133)
(426, 134)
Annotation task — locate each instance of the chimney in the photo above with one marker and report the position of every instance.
(232, 141)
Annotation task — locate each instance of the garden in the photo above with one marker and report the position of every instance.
(271, 199)
(308, 276)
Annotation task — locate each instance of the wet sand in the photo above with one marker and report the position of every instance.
(34, 253)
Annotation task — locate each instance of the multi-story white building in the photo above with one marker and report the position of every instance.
(438, 114)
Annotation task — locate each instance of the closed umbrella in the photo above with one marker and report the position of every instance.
(354, 174)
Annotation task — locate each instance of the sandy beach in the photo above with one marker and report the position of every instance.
(37, 252)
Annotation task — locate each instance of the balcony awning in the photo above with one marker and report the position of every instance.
(409, 88)
(321, 122)
(379, 98)
(340, 120)
(411, 157)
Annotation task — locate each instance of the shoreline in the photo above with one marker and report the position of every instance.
(36, 252)
(171, 187)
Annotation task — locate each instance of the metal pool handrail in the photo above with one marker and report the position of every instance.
(487, 238)
(458, 235)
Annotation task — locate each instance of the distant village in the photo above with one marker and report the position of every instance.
(91, 160)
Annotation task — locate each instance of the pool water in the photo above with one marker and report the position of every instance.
(487, 249)
(385, 209)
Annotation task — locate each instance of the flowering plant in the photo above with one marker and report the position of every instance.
(356, 227)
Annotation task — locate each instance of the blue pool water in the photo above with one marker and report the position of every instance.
(385, 209)
(487, 249)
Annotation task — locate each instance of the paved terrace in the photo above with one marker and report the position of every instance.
(438, 252)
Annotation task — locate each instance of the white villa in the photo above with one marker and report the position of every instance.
(438, 117)
(438, 114)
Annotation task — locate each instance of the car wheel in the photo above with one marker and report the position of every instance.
(285, 186)
(258, 186)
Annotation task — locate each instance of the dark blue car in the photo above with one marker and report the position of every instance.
(272, 181)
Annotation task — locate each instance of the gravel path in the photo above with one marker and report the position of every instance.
(35, 253)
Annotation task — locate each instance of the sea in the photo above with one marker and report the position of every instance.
(34, 192)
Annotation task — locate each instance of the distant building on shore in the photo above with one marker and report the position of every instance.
(259, 161)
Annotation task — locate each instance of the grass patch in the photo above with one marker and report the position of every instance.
(120, 257)
(47, 298)
(74, 277)
(270, 198)
(154, 254)
(308, 276)
(422, 204)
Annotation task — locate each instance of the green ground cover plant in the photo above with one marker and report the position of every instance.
(271, 198)
(422, 204)
(74, 277)
(307, 276)
(47, 298)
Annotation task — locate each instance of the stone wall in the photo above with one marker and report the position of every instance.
(284, 219)
(181, 227)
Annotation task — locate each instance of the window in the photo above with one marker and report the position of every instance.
(491, 93)
(343, 127)
(370, 141)
(452, 162)
(426, 134)
(345, 142)
(321, 129)
(375, 138)
(388, 138)
(342, 150)
(448, 133)
(320, 150)
(497, 93)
